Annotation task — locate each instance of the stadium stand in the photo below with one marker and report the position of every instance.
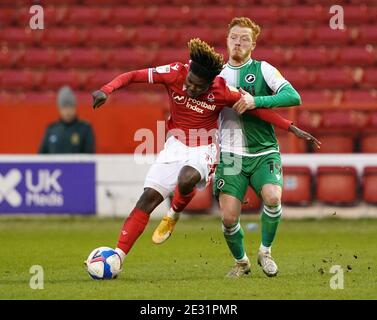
(297, 189)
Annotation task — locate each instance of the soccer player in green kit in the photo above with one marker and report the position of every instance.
(249, 149)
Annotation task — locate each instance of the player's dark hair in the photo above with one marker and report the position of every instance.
(205, 61)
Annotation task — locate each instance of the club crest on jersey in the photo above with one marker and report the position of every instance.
(211, 97)
(178, 99)
(250, 78)
(220, 183)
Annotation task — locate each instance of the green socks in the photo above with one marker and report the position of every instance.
(270, 221)
(234, 238)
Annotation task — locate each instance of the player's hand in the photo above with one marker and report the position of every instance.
(99, 98)
(304, 135)
(245, 103)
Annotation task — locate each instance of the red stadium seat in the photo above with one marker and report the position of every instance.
(202, 200)
(82, 58)
(39, 58)
(261, 15)
(289, 143)
(18, 80)
(316, 98)
(6, 17)
(214, 36)
(127, 16)
(359, 98)
(370, 185)
(97, 79)
(335, 141)
(13, 37)
(367, 34)
(87, 16)
(328, 36)
(129, 58)
(368, 141)
(356, 56)
(62, 37)
(169, 55)
(170, 15)
(338, 119)
(356, 14)
(288, 35)
(274, 56)
(299, 78)
(100, 2)
(369, 79)
(251, 201)
(337, 185)
(54, 79)
(333, 78)
(213, 15)
(100, 36)
(146, 36)
(305, 14)
(53, 15)
(297, 188)
(10, 57)
(310, 119)
(312, 56)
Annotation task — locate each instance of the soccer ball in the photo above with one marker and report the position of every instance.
(103, 263)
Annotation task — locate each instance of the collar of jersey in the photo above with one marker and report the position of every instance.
(239, 67)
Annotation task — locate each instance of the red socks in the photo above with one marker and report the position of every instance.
(180, 201)
(133, 227)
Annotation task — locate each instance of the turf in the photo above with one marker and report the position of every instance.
(191, 265)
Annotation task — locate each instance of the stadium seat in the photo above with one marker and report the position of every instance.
(54, 79)
(172, 15)
(335, 140)
(369, 79)
(16, 37)
(127, 16)
(288, 143)
(337, 185)
(333, 78)
(202, 201)
(86, 16)
(356, 56)
(106, 37)
(312, 56)
(355, 15)
(129, 58)
(310, 119)
(261, 15)
(288, 35)
(306, 14)
(100, 2)
(213, 15)
(370, 185)
(338, 119)
(96, 79)
(6, 17)
(82, 58)
(18, 80)
(317, 98)
(10, 57)
(148, 35)
(327, 36)
(299, 78)
(274, 56)
(62, 37)
(251, 201)
(367, 34)
(53, 15)
(359, 98)
(214, 36)
(169, 55)
(39, 58)
(368, 141)
(297, 188)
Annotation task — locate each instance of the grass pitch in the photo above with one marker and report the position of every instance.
(191, 265)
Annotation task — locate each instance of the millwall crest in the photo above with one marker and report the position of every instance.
(250, 78)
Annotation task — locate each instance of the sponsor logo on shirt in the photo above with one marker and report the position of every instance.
(178, 99)
(163, 69)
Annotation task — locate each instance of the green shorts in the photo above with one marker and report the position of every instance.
(235, 173)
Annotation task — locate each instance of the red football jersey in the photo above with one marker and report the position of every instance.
(193, 121)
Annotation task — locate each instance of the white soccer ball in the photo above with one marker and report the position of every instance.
(104, 263)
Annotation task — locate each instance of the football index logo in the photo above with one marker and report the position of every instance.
(8, 184)
(178, 98)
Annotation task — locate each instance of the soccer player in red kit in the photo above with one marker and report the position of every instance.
(196, 97)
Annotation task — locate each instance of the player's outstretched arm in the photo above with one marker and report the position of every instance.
(304, 135)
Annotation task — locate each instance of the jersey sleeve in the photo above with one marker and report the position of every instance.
(232, 95)
(273, 77)
(272, 117)
(166, 74)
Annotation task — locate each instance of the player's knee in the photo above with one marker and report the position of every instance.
(187, 179)
(149, 200)
(271, 195)
(230, 220)
(230, 215)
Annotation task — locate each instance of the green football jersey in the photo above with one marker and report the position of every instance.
(246, 134)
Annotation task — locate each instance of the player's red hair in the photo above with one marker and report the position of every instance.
(246, 23)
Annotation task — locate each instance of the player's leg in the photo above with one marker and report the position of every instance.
(184, 191)
(230, 188)
(135, 223)
(267, 180)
